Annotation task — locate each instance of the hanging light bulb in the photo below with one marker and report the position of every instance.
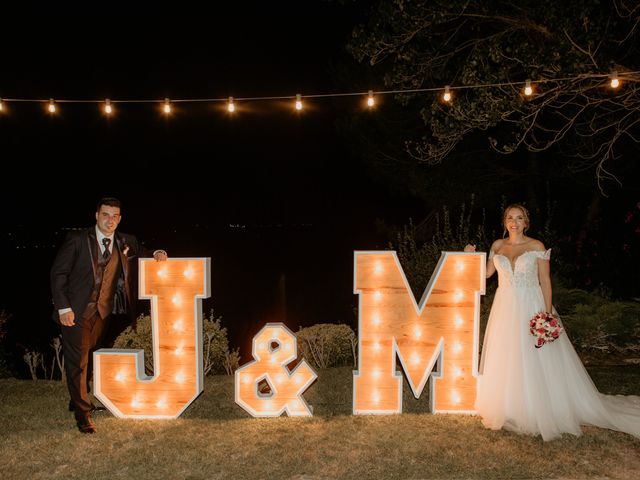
(52, 106)
(370, 100)
(446, 96)
(298, 101)
(615, 81)
(107, 107)
(167, 106)
(528, 89)
(230, 105)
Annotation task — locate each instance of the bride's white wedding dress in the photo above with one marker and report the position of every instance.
(545, 390)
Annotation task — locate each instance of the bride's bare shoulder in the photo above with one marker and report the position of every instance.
(497, 244)
(536, 245)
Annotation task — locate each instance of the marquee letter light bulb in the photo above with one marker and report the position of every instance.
(274, 347)
(436, 340)
(120, 382)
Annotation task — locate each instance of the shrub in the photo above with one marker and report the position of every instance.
(217, 358)
(419, 258)
(598, 324)
(327, 345)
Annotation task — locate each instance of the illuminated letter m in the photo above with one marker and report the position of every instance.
(435, 340)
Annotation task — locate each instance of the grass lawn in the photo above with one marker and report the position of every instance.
(216, 439)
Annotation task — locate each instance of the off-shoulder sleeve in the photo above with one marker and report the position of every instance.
(546, 255)
(491, 254)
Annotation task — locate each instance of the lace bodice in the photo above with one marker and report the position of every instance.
(523, 272)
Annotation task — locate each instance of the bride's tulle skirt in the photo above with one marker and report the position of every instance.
(545, 390)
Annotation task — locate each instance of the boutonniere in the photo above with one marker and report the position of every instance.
(125, 249)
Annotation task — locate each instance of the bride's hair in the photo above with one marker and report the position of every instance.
(525, 214)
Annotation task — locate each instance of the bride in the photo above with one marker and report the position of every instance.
(531, 390)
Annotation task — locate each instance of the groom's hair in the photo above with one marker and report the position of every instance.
(108, 201)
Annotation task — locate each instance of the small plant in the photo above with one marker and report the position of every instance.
(328, 345)
(217, 358)
(58, 358)
(34, 359)
(419, 248)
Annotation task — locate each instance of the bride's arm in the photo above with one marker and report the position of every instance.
(491, 268)
(544, 276)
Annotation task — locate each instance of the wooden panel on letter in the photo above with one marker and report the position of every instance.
(437, 338)
(176, 289)
(274, 347)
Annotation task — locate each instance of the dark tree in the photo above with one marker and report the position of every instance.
(568, 49)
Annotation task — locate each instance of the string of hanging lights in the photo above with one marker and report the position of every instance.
(613, 80)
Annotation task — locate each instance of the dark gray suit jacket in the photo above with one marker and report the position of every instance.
(73, 271)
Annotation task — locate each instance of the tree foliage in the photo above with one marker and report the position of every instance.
(567, 49)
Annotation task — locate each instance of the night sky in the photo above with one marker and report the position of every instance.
(286, 203)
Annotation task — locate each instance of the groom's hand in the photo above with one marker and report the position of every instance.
(160, 256)
(67, 319)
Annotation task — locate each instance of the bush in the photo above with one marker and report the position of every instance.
(597, 324)
(328, 345)
(419, 262)
(217, 358)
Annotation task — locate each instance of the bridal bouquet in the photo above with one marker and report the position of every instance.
(545, 327)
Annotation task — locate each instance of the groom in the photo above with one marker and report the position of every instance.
(90, 281)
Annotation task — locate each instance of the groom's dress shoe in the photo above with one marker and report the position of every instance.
(94, 408)
(84, 422)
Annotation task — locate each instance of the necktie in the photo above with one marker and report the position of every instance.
(106, 242)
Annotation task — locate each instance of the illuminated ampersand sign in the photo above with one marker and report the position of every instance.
(176, 289)
(437, 338)
(266, 387)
